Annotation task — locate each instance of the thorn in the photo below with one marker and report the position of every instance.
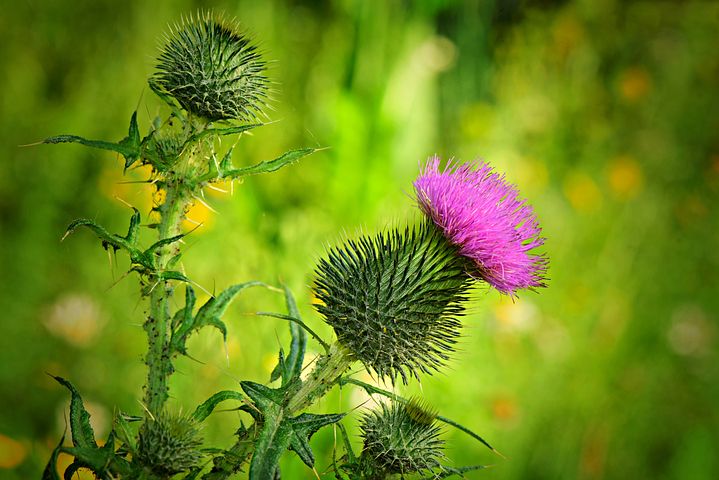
(147, 410)
(123, 201)
(34, 144)
(204, 203)
(217, 189)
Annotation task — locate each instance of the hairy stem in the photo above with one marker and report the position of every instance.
(328, 369)
(158, 326)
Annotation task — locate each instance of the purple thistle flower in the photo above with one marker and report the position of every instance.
(482, 215)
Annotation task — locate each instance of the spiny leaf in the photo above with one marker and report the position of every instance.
(268, 166)
(209, 314)
(221, 132)
(263, 397)
(274, 438)
(128, 147)
(446, 472)
(50, 472)
(298, 345)
(298, 322)
(122, 429)
(371, 389)
(206, 408)
(303, 427)
(117, 242)
(82, 434)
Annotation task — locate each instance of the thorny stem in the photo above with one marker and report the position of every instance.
(328, 370)
(157, 325)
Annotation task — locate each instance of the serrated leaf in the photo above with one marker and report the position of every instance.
(123, 431)
(208, 314)
(50, 472)
(268, 166)
(279, 369)
(128, 147)
(303, 427)
(298, 345)
(184, 317)
(80, 428)
(274, 438)
(263, 396)
(222, 131)
(205, 409)
(117, 242)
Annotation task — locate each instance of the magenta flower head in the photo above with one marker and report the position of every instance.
(484, 217)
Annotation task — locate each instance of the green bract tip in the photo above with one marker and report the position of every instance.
(169, 444)
(212, 70)
(393, 299)
(395, 443)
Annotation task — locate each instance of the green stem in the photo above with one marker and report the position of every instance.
(325, 374)
(158, 326)
(328, 370)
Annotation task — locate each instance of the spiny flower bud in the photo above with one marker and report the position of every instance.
(212, 70)
(393, 299)
(400, 439)
(169, 444)
(484, 217)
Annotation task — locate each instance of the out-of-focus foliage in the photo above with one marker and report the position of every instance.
(603, 112)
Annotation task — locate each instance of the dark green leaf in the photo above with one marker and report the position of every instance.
(274, 438)
(204, 410)
(124, 431)
(82, 433)
(184, 317)
(262, 396)
(279, 369)
(298, 345)
(50, 472)
(268, 166)
(221, 131)
(298, 322)
(209, 314)
(128, 147)
(303, 427)
(166, 241)
(447, 472)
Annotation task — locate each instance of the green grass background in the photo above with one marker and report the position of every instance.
(604, 113)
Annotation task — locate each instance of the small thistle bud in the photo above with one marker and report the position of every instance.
(484, 217)
(212, 70)
(393, 299)
(169, 444)
(400, 439)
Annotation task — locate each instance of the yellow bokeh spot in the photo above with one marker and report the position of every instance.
(625, 177)
(634, 84)
(582, 192)
(12, 452)
(114, 184)
(198, 214)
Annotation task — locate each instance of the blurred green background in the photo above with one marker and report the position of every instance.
(604, 113)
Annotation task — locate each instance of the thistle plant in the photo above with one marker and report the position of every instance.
(394, 299)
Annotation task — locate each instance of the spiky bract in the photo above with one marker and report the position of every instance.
(212, 70)
(169, 444)
(393, 300)
(396, 443)
(483, 215)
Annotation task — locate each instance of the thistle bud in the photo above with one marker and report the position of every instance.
(169, 444)
(212, 70)
(393, 300)
(400, 439)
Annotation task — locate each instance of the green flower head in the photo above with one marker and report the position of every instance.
(394, 299)
(212, 70)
